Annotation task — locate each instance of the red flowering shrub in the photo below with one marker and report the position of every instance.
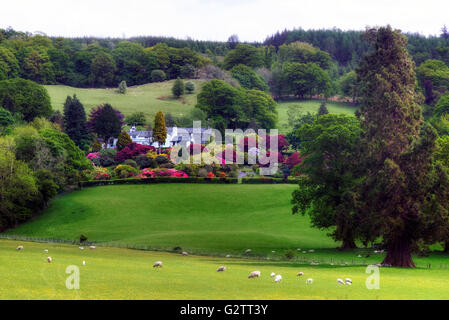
(280, 159)
(293, 160)
(221, 174)
(210, 175)
(93, 155)
(132, 150)
(153, 173)
(282, 142)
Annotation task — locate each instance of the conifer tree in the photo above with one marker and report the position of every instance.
(323, 109)
(403, 196)
(123, 140)
(160, 130)
(75, 122)
(178, 88)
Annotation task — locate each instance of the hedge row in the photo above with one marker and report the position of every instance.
(267, 181)
(84, 184)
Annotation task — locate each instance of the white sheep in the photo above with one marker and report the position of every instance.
(311, 251)
(348, 281)
(309, 281)
(254, 274)
(46, 251)
(300, 274)
(49, 259)
(272, 274)
(221, 269)
(81, 248)
(19, 248)
(278, 278)
(84, 263)
(248, 251)
(92, 247)
(157, 264)
(228, 256)
(340, 281)
(185, 253)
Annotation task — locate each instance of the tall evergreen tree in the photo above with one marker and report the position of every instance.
(178, 88)
(160, 130)
(402, 197)
(106, 123)
(75, 122)
(123, 140)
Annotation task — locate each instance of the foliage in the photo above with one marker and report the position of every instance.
(123, 140)
(158, 76)
(248, 78)
(136, 119)
(322, 110)
(75, 122)
(105, 121)
(433, 76)
(25, 97)
(245, 54)
(132, 150)
(122, 87)
(160, 130)
(178, 88)
(190, 87)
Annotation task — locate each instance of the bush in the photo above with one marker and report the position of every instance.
(161, 160)
(158, 76)
(130, 162)
(122, 87)
(178, 88)
(190, 87)
(125, 171)
(144, 162)
(293, 160)
(202, 173)
(132, 150)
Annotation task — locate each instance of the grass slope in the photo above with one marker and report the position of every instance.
(148, 98)
(211, 219)
(112, 273)
(311, 106)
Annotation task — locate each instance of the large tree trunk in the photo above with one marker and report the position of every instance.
(399, 254)
(446, 247)
(348, 244)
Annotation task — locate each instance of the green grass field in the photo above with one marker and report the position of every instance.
(311, 106)
(148, 98)
(112, 273)
(210, 222)
(210, 219)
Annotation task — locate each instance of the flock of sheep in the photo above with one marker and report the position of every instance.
(253, 274)
(256, 274)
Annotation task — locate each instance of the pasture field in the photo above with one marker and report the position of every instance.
(311, 106)
(113, 273)
(206, 219)
(148, 98)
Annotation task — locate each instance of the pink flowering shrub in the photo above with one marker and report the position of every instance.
(93, 155)
(153, 173)
(102, 176)
(280, 159)
(282, 142)
(132, 150)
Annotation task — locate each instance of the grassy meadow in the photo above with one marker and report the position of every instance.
(113, 273)
(148, 98)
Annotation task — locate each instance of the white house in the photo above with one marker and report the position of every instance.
(175, 136)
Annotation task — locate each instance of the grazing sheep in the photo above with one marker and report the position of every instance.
(359, 256)
(46, 251)
(272, 274)
(311, 251)
(157, 264)
(309, 281)
(300, 274)
(185, 253)
(299, 249)
(19, 248)
(313, 263)
(49, 259)
(254, 274)
(278, 278)
(81, 248)
(84, 263)
(340, 281)
(92, 247)
(248, 251)
(221, 269)
(228, 256)
(348, 281)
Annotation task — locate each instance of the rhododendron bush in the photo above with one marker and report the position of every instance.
(293, 160)
(154, 173)
(133, 150)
